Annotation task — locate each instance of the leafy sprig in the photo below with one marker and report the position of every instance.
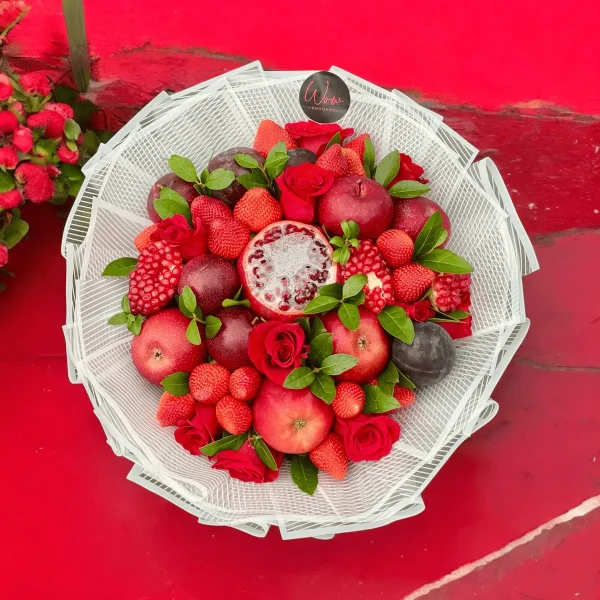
(263, 175)
(188, 305)
(387, 169)
(133, 322)
(206, 182)
(351, 231)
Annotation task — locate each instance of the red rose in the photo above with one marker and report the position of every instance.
(418, 311)
(367, 437)
(464, 328)
(35, 83)
(176, 231)
(409, 171)
(276, 349)
(245, 465)
(203, 428)
(300, 186)
(315, 136)
(68, 156)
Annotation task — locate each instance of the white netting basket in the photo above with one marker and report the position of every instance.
(224, 112)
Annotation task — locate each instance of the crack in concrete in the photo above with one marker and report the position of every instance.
(546, 367)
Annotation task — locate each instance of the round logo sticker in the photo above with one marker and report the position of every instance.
(324, 97)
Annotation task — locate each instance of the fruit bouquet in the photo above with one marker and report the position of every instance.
(285, 320)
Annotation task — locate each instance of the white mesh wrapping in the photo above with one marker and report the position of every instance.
(224, 112)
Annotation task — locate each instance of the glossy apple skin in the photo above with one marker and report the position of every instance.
(230, 346)
(411, 214)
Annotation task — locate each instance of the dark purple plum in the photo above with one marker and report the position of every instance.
(299, 156)
(230, 346)
(174, 182)
(429, 358)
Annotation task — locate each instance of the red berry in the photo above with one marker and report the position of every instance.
(257, 209)
(396, 247)
(358, 145)
(234, 416)
(405, 396)
(227, 238)
(354, 164)
(244, 383)
(411, 281)
(330, 456)
(268, 134)
(172, 409)
(349, 400)
(53, 123)
(209, 382)
(333, 160)
(448, 291)
(206, 210)
(154, 281)
(366, 259)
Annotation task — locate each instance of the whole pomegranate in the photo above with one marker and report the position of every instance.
(230, 346)
(183, 188)
(411, 214)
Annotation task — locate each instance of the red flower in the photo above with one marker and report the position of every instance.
(6, 88)
(8, 158)
(62, 109)
(53, 123)
(35, 83)
(64, 153)
(367, 437)
(177, 232)
(10, 199)
(245, 465)
(8, 122)
(315, 136)
(300, 186)
(409, 171)
(3, 255)
(37, 185)
(203, 428)
(464, 328)
(10, 10)
(276, 349)
(418, 311)
(23, 139)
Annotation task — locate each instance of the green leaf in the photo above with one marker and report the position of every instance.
(177, 383)
(458, 315)
(304, 322)
(228, 302)
(320, 304)
(427, 238)
(189, 298)
(323, 387)
(367, 171)
(184, 168)
(192, 333)
(219, 179)
(91, 142)
(135, 326)
(65, 94)
(246, 161)
(278, 147)
(441, 260)
(304, 474)
(71, 145)
(356, 300)
(321, 347)
(183, 308)
(388, 168)
(275, 164)
(7, 182)
(404, 381)
(171, 203)
(336, 139)
(376, 401)
(228, 442)
(118, 319)
(336, 364)
(354, 230)
(84, 111)
(130, 319)
(397, 323)
(204, 176)
(299, 378)
(263, 452)
(408, 189)
(442, 237)
(14, 233)
(120, 267)
(125, 304)
(341, 255)
(354, 285)
(317, 327)
(349, 316)
(254, 179)
(345, 229)
(334, 290)
(72, 129)
(388, 378)
(212, 326)
(198, 313)
(369, 155)
(337, 241)
(354, 243)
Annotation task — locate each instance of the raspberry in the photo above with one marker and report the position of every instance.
(396, 247)
(411, 281)
(10, 199)
(209, 382)
(153, 283)
(268, 134)
(366, 259)
(8, 122)
(330, 456)
(8, 158)
(358, 145)
(448, 291)
(23, 139)
(349, 400)
(143, 238)
(206, 210)
(257, 209)
(334, 161)
(353, 161)
(244, 383)
(64, 153)
(227, 238)
(234, 416)
(37, 185)
(172, 409)
(35, 83)
(6, 88)
(52, 123)
(62, 109)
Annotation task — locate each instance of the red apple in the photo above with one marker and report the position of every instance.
(230, 346)
(162, 347)
(358, 199)
(170, 180)
(369, 343)
(411, 214)
(291, 421)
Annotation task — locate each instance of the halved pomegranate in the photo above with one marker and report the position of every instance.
(283, 267)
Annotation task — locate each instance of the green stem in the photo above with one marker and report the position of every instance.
(78, 44)
(15, 22)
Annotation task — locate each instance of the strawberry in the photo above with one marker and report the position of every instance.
(152, 284)
(366, 259)
(257, 209)
(396, 247)
(333, 160)
(358, 145)
(354, 163)
(143, 238)
(244, 383)
(349, 400)
(209, 382)
(206, 210)
(172, 409)
(268, 134)
(330, 456)
(234, 416)
(411, 281)
(227, 238)
(405, 396)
